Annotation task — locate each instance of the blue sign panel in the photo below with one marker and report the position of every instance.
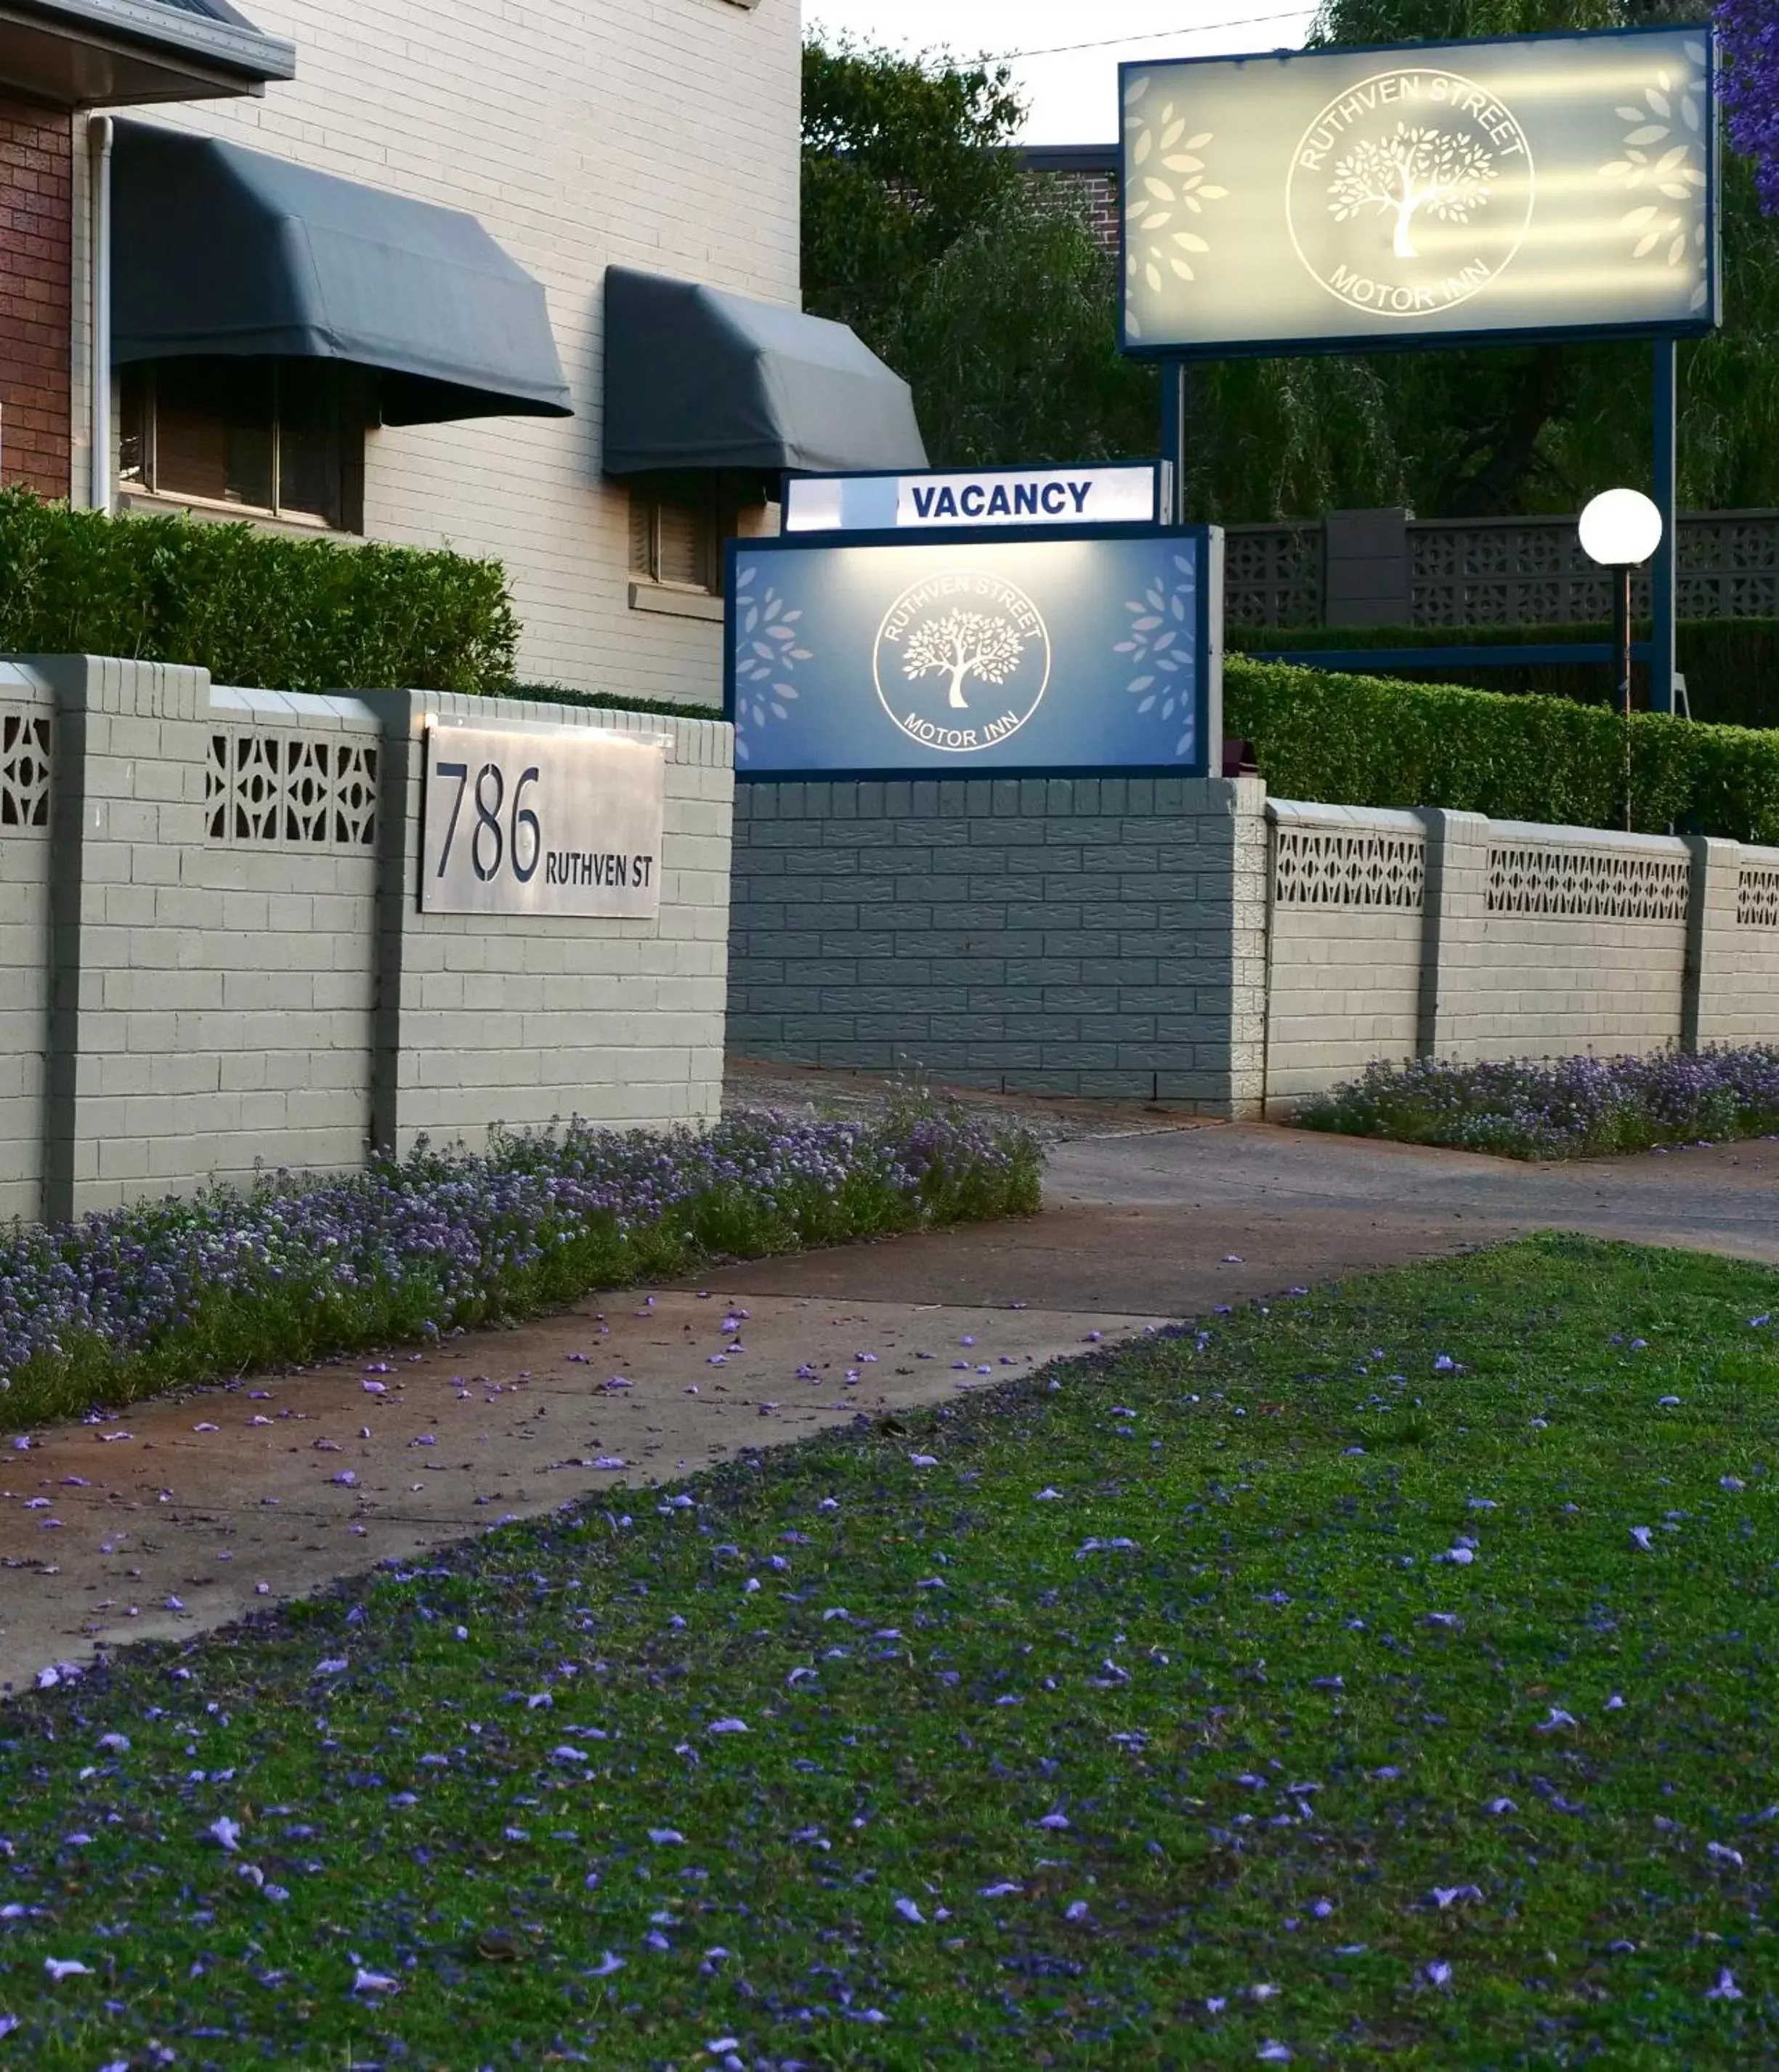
(975, 657)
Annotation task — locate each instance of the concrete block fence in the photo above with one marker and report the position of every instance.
(213, 957)
(1446, 934)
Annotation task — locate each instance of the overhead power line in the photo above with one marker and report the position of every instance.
(1146, 36)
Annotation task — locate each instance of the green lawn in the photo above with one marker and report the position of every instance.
(1212, 1754)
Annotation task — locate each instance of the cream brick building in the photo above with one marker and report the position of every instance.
(658, 136)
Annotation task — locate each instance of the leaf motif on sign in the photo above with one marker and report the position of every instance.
(1191, 242)
(1677, 174)
(1158, 135)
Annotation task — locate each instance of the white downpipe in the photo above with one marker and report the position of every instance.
(99, 133)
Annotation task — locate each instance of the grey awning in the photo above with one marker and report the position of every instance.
(219, 250)
(697, 377)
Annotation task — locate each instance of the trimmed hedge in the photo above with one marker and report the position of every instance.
(257, 610)
(564, 694)
(1375, 741)
(1730, 665)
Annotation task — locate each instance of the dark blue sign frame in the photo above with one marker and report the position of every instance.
(1709, 319)
(1207, 633)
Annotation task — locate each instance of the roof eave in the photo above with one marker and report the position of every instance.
(230, 49)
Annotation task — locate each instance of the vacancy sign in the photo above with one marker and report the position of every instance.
(1048, 497)
(1514, 186)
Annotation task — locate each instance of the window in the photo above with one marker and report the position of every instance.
(283, 438)
(676, 532)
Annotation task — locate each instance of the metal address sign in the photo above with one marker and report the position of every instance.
(1509, 186)
(999, 497)
(563, 820)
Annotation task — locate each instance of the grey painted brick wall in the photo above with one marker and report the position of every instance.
(1082, 936)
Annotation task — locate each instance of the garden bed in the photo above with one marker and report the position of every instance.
(1561, 1107)
(119, 1306)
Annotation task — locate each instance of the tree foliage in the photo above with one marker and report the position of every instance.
(1750, 87)
(986, 290)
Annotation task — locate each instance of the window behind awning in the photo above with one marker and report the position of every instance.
(218, 250)
(698, 377)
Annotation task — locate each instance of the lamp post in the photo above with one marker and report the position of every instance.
(1619, 530)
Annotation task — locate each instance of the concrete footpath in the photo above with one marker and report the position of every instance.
(187, 1514)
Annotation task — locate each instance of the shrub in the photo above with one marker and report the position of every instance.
(117, 1305)
(1562, 1107)
(1374, 741)
(257, 610)
(1730, 665)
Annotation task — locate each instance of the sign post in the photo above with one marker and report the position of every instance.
(1664, 568)
(1500, 191)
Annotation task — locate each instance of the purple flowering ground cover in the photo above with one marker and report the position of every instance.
(1561, 1107)
(1389, 1678)
(117, 1305)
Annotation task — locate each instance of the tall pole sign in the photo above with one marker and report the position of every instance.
(1513, 187)
(1501, 190)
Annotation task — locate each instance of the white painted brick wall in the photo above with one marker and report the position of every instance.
(1559, 985)
(1344, 979)
(656, 133)
(24, 988)
(1735, 946)
(241, 999)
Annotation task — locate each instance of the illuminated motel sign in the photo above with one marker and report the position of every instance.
(1341, 199)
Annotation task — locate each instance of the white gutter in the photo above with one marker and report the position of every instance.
(99, 134)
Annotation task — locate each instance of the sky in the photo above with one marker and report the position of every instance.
(1071, 93)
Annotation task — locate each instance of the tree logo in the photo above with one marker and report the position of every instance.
(1409, 192)
(962, 660)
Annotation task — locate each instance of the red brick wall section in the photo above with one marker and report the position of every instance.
(36, 285)
(1095, 194)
